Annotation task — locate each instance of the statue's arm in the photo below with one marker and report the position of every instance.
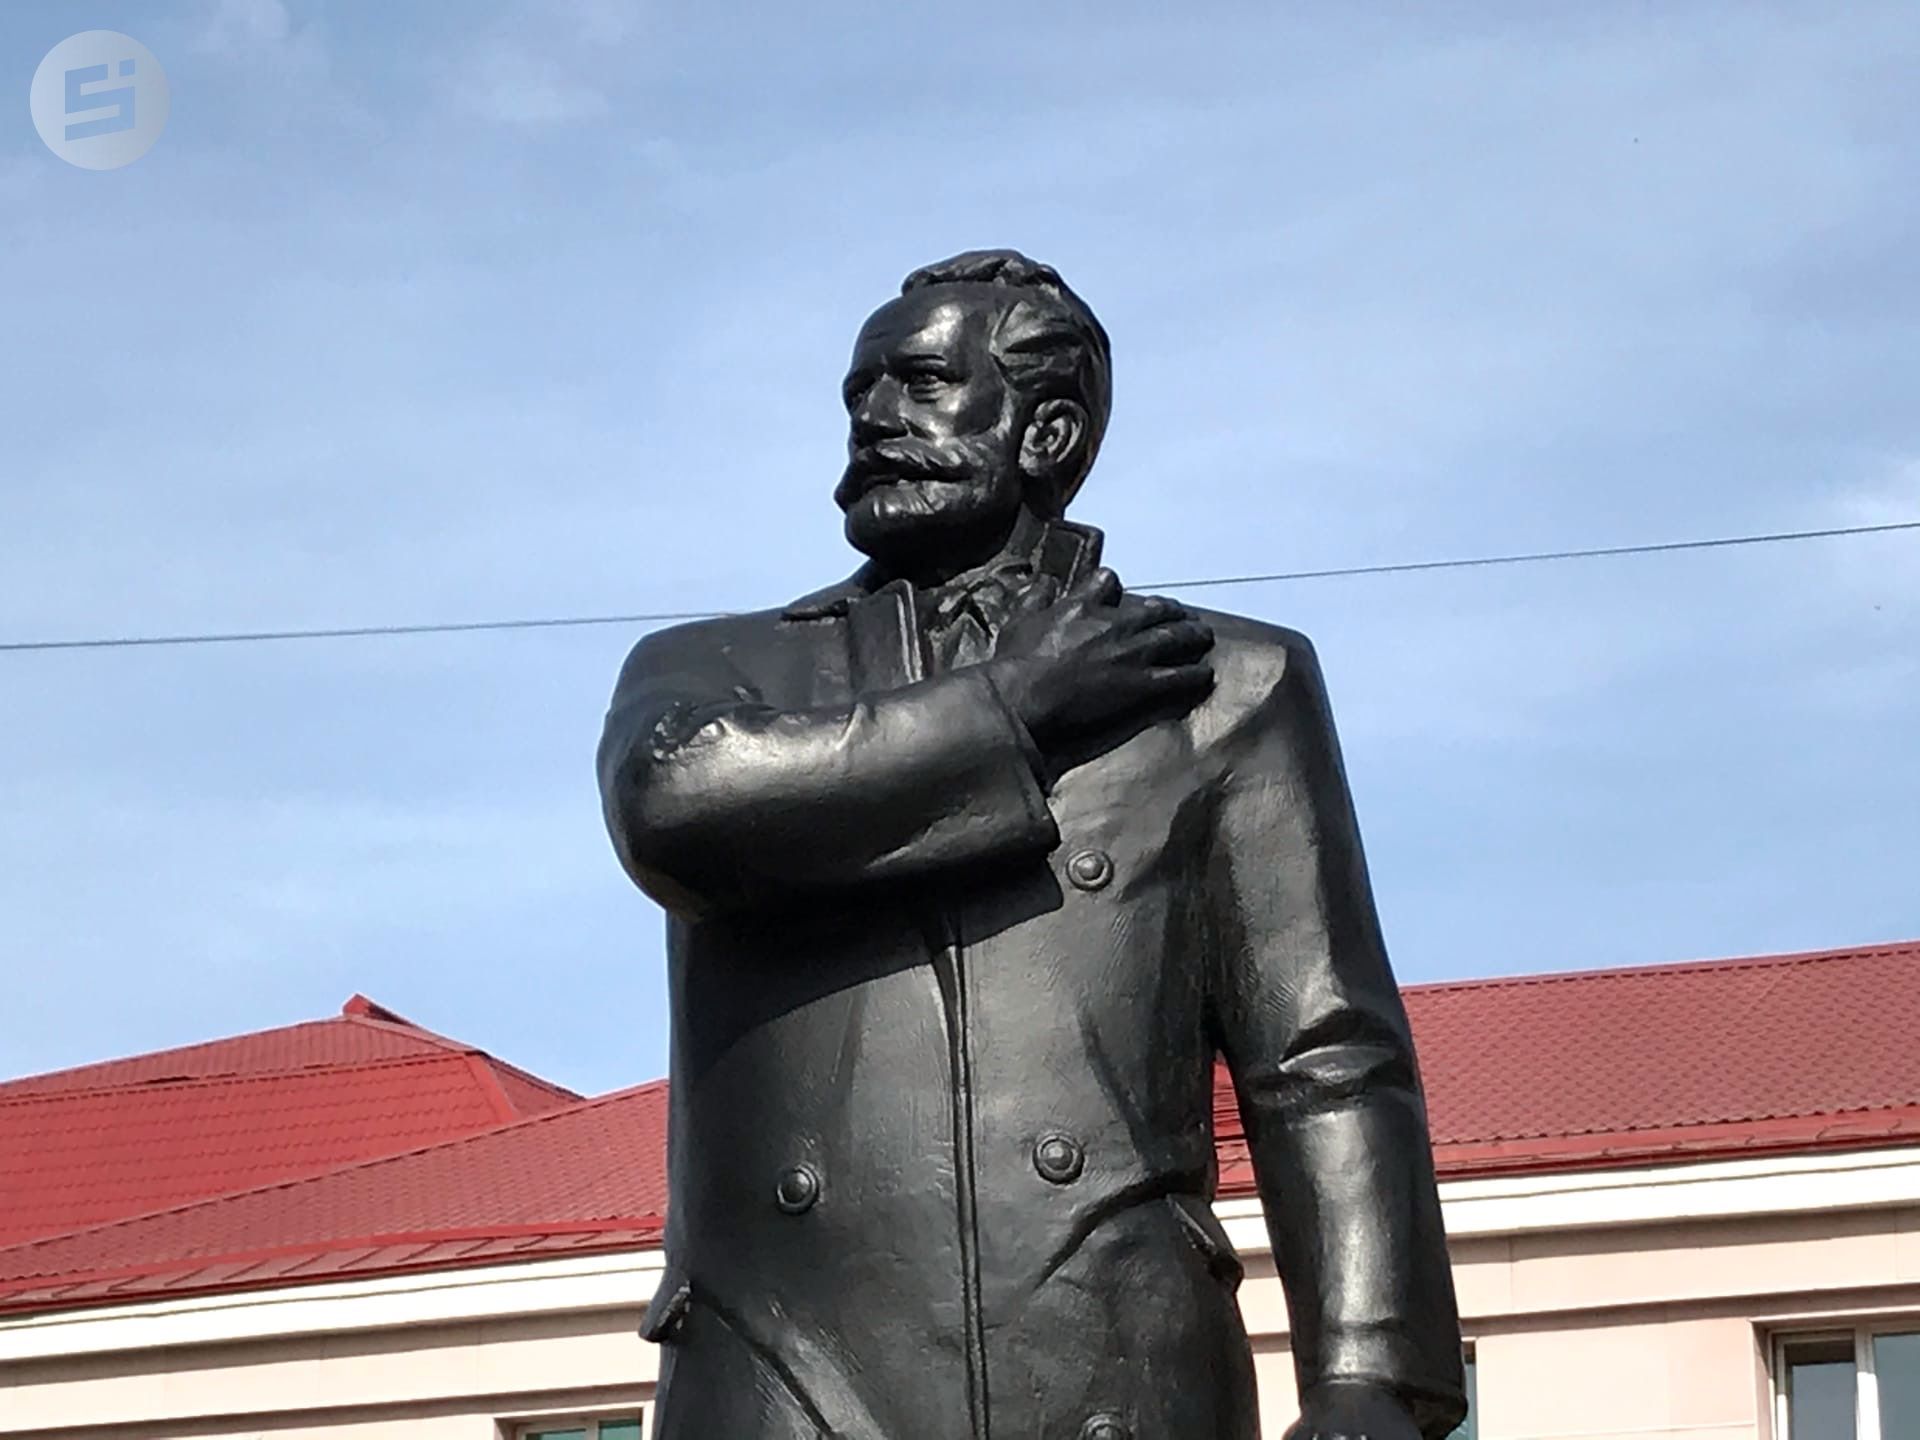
(1313, 1030)
(716, 800)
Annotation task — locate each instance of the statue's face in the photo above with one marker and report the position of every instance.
(933, 450)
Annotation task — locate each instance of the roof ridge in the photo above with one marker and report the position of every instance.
(360, 1003)
(490, 1086)
(443, 1045)
(370, 1015)
(552, 1087)
(288, 1182)
(399, 1027)
(224, 1077)
(1735, 962)
(375, 1016)
(391, 1022)
(5, 1085)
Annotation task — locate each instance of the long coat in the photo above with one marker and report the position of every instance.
(944, 1026)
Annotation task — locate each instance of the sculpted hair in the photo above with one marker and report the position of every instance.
(1046, 341)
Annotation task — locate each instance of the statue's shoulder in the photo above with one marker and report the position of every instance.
(1258, 666)
(1259, 644)
(700, 644)
(1242, 632)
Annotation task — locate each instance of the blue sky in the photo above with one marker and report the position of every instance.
(435, 313)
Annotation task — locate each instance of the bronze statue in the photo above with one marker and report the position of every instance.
(973, 864)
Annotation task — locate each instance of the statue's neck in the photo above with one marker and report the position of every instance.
(1018, 545)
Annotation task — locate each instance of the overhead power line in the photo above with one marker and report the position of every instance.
(1532, 557)
(1535, 557)
(353, 632)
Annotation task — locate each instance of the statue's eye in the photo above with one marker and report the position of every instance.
(925, 385)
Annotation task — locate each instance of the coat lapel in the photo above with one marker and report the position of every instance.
(883, 640)
(883, 643)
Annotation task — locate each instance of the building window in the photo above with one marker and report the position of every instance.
(1861, 1384)
(612, 1427)
(1469, 1428)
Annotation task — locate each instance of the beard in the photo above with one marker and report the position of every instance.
(909, 501)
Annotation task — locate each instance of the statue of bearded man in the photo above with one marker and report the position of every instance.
(974, 863)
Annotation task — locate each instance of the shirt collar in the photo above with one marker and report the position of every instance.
(1041, 551)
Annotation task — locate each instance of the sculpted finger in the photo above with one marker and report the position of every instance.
(1102, 587)
(1140, 612)
(1183, 640)
(1195, 680)
(1037, 594)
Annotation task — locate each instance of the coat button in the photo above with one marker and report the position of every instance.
(1090, 869)
(1105, 1427)
(799, 1187)
(1059, 1158)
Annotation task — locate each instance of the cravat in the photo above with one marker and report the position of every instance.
(965, 618)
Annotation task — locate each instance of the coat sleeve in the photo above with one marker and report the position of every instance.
(1312, 1028)
(716, 800)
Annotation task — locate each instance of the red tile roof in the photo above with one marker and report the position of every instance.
(1661, 1062)
(590, 1176)
(1551, 1072)
(101, 1141)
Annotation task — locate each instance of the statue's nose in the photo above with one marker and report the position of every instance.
(877, 417)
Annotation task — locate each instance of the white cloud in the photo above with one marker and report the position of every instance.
(506, 85)
(253, 32)
(1874, 576)
(604, 22)
(1891, 497)
(536, 77)
(240, 23)
(280, 76)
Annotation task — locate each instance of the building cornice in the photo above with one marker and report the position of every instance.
(1781, 1185)
(1652, 1195)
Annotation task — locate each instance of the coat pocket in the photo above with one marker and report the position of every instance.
(719, 1379)
(1207, 1235)
(667, 1311)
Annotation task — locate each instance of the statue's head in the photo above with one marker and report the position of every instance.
(981, 391)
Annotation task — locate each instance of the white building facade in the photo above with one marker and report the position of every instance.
(1679, 1302)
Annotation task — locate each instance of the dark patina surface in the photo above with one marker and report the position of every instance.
(973, 864)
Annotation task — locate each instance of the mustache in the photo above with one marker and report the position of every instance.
(886, 461)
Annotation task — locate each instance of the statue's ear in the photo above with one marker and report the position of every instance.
(1054, 443)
